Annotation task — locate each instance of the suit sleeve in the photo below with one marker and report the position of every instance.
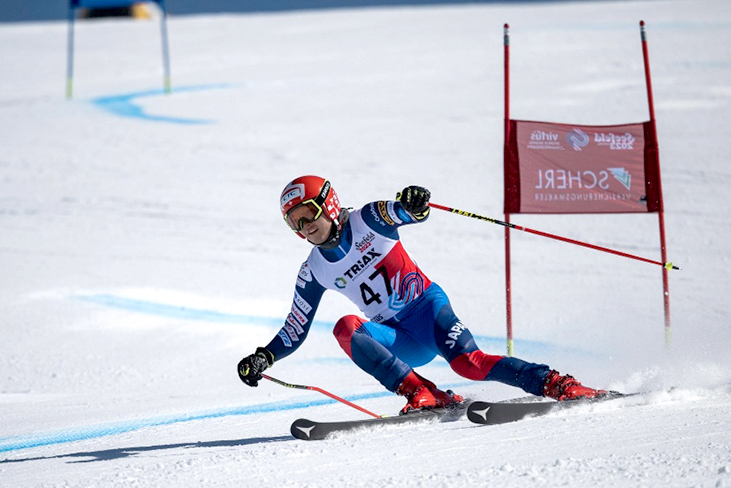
(307, 295)
(386, 216)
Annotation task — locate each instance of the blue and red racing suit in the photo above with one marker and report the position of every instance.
(410, 320)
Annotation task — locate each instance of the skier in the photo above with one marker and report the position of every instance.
(409, 317)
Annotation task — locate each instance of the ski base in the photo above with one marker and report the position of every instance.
(488, 413)
(310, 430)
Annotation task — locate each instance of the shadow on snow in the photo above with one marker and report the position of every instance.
(125, 452)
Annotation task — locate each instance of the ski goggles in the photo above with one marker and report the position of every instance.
(303, 214)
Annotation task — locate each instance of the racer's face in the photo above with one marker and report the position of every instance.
(317, 231)
(310, 220)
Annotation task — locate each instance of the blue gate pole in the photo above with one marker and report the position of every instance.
(70, 54)
(165, 50)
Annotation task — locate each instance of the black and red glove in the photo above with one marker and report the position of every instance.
(251, 367)
(415, 200)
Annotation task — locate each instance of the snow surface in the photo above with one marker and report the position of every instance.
(142, 253)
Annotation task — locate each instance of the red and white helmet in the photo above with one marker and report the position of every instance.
(313, 193)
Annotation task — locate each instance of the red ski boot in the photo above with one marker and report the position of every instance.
(421, 393)
(567, 388)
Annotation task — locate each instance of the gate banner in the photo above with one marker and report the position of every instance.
(559, 168)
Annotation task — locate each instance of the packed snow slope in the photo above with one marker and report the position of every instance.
(142, 252)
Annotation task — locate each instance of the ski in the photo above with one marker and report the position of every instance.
(488, 413)
(310, 430)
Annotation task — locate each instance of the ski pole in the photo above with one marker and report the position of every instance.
(667, 265)
(320, 390)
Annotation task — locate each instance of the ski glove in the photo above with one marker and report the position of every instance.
(252, 366)
(415, 200)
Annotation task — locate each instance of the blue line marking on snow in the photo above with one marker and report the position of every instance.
(178, 312)
(186, 313)
(92, 432)
(125, 106)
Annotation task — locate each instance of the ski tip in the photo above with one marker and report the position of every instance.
(477, 412)
(302, 429)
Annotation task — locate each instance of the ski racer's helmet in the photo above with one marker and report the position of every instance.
(311, 197)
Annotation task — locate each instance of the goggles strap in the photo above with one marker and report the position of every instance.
(320, 199)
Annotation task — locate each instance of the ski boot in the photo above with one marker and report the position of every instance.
(421, 393)
(567, 388)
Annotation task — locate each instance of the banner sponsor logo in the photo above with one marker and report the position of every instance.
(562, 179)
(623, 176)
(581, 169)
(615, 142)
(577, 138)
(542, 139)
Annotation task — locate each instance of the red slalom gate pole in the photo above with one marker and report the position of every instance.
(661, 210)
(551, 236)
(508, 278)
(320, 390)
